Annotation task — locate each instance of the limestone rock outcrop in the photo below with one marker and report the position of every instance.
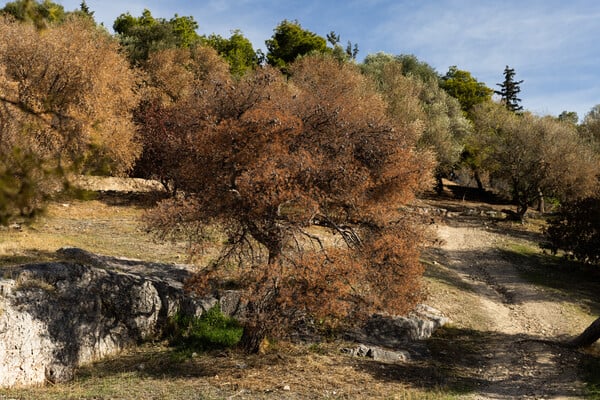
(55, 316)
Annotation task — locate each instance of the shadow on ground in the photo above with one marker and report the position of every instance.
(493, 364)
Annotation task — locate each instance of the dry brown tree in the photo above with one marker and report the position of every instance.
(269, 159)
(66, 96)
(176, 83)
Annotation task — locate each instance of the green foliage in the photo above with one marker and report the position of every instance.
(570, 117)
(40, 14)
(529, 158)
(212, 330)
(468, 90)
(338, 52)
(576, 230)
(443, 124)
(237, 51)
(144, 34)
(590, 128)
(509, 89)
(184, 30)
(21, 174)
(374, 64)
(411, 65)
(289, 41)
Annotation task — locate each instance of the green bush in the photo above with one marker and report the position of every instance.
(576, 230)
(212, 330)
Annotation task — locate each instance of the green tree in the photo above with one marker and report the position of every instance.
(83, 7)
(509, 90)
(464, 87)
(237, 51)
(576, 230)
(144, 34)
(590, 128)
(570, 117)
(289, 41)
(347, 54)
(411, 65)
(39, 13)
(529, 157)
(411, 90)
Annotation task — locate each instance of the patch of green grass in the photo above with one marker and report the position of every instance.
(212, 330)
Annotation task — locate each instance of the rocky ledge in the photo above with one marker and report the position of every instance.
(56, 316)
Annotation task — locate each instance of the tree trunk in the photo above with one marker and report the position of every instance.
(252, 338)
(439, 184)
(588, 337)
(541, 202)
(478, 180)
(521, 211)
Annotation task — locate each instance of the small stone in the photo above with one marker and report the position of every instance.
(287, 388)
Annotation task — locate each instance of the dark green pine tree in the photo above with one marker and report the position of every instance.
(509, 89)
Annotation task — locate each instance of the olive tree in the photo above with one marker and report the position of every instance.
(529, 157)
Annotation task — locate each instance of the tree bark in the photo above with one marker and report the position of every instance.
(478, 180)
(541, 202)
(252, 338)
(588, 337)
(439, 184)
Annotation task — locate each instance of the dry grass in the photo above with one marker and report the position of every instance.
(106, 225)
(285, 371)
(110, 224)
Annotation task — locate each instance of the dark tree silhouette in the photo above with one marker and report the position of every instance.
(509, 90)
(588, 336)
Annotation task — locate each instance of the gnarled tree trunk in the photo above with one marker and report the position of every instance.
(588, 337)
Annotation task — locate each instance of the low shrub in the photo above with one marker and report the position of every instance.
(212, 330)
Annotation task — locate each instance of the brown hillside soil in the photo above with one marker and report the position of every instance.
(508, 303)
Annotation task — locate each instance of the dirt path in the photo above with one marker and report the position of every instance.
(516, 356)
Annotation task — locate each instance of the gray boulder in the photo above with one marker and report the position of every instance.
(393, 331)
(56, 316)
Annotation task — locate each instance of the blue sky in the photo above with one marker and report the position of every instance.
(551, 44)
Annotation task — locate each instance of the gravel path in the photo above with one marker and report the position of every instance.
(517, 355)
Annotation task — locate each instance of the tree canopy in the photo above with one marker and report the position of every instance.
(590, 128)
(268, 158)
(39, 13)
(289, 41)
(410, 88)
(530, 157)
(465, 88)
(144, 34)
(237, 50)
(65, 100)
